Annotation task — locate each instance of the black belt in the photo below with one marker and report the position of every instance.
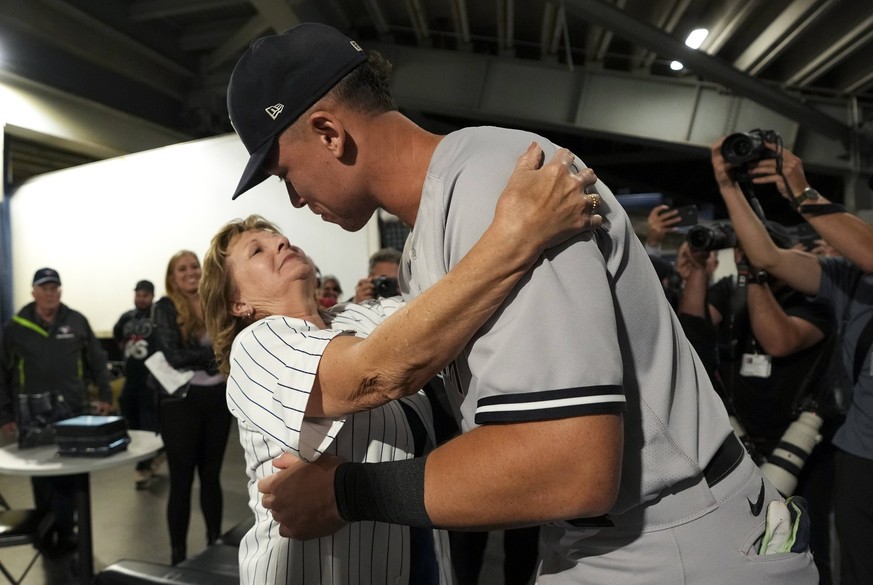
(725, 460)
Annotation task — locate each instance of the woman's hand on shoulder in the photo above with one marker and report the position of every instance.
(544, 204)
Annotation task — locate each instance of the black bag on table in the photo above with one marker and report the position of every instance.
(91, 436)
(37, 415)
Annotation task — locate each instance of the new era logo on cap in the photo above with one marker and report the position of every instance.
(274, 111)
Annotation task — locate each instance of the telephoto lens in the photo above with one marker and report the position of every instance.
(797, 442)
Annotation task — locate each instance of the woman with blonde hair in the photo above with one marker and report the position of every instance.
(304, 380)
(194, 422)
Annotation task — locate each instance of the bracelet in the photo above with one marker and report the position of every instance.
(390, 491)
(822, 209)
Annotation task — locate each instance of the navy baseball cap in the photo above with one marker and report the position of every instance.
(46, 275)
(277, 79)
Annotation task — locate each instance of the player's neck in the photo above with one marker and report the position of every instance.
(401, 156)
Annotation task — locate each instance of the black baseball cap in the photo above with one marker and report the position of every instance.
(46, 275)
(145, 285)
(277, 79)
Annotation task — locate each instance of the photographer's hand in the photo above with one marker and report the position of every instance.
(767, 171)
(721, 168)
(364, 290)
(660, 221)
(799, 270)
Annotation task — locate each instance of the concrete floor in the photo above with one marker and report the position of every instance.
(131, 524)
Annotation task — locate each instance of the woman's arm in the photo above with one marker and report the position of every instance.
(539, 207)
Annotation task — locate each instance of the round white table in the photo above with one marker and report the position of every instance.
(45, 461)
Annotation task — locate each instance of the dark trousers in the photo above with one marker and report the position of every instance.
(56, 494)
(815, 483)
(520, 550)
(195, 431)
(853, 515)
(139, 406)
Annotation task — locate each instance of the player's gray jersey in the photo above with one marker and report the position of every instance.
(587, 331)
(273, 368)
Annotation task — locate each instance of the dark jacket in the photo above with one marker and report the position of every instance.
(58, 358)
(135, 334)
(182, 354)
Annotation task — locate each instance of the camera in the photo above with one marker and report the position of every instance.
(384, 286)
(745, 148)
(717, 236)
(786, 461)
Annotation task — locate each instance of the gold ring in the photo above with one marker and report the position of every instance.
(593, 203)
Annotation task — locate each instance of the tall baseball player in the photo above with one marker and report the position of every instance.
(583, 405)
(300, 377)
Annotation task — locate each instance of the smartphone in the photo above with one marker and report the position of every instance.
(687, 215)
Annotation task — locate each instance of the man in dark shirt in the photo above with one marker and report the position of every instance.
(49, 348)
(135, 334)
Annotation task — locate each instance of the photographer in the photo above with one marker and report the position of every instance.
(767, 349)
(381, 281)
(849, 289)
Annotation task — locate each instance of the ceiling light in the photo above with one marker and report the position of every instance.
(676, 66)
(696, 38)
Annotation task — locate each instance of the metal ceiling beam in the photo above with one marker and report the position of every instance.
(145, 10)
(277, 13)
(849, 43)
(603, 14)
(74, 31)
(550, 31)
(792, 22)
(207, 35)
(667, 20)
(256, 27)
(418, 19)
(461, 23)
(729, 21)
(855, 76)
(377, 15)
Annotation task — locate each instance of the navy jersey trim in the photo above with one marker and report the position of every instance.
(551, 404)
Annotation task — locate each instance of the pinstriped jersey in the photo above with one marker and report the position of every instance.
(273, 365)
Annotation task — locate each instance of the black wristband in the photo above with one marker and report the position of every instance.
(390, 491)
(822, 209)
(760, 277)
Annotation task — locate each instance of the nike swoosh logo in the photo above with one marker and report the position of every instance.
(756, 507)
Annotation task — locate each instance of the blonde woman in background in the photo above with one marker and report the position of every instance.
(194, 428)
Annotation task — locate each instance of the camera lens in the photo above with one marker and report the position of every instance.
(742, 148)
(385, 287)
(713, 237)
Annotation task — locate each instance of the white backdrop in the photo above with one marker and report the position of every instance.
(105, 225)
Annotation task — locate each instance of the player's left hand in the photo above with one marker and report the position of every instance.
(300, 496)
